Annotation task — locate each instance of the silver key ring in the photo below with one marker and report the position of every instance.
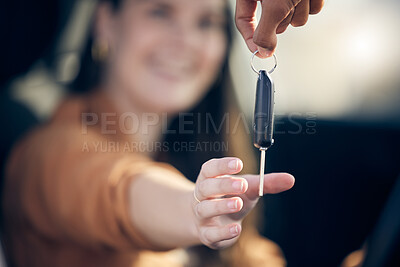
(257, 71)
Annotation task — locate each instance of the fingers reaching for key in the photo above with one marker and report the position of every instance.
(213, 180)
(222, 199)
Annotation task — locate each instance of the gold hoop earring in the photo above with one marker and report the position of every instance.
(100, 50)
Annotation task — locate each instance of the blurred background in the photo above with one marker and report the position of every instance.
(337, 106)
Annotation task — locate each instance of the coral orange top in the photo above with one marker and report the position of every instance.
(65, 202)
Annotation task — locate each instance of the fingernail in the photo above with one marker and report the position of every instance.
(264, 52)
(238, 185)
(234, 230)
(233, 164)
(233, 204)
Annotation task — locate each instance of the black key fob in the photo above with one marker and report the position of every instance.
(263, 127)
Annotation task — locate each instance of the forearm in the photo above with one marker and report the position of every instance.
(161, 208)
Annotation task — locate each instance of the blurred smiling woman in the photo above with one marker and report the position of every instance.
(67, 204)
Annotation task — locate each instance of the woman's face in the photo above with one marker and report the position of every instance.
(164, 54)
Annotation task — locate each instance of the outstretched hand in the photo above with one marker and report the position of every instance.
(222, 199)
(276, 15)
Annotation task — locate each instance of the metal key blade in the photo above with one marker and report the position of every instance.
(262, 167)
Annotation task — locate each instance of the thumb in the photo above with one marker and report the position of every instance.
(273, 183)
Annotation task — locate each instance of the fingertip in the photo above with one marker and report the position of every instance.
(240, 164)
(235, 229)
(239, 203)
(266, 41)
(278, 182)
(263, 52)
(239, 226)
(235, 204)
(245, 185)
(299, 22)
(291, 180)
(287, 179)
(235, 165)
(239, 186)
(282, 29)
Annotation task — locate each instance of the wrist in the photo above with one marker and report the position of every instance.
(192, 225)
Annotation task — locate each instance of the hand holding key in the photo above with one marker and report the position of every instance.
(276, 16)
(221, 199)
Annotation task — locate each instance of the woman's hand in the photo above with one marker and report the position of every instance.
(276, 15)
(224, 200)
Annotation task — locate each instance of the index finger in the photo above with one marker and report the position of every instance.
(246, 23)
(221, 166)
(273, 13)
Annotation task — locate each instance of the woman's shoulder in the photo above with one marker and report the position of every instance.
(63, 128)
(63, 133)
(70, 110)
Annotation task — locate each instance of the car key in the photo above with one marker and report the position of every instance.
(263, 126)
